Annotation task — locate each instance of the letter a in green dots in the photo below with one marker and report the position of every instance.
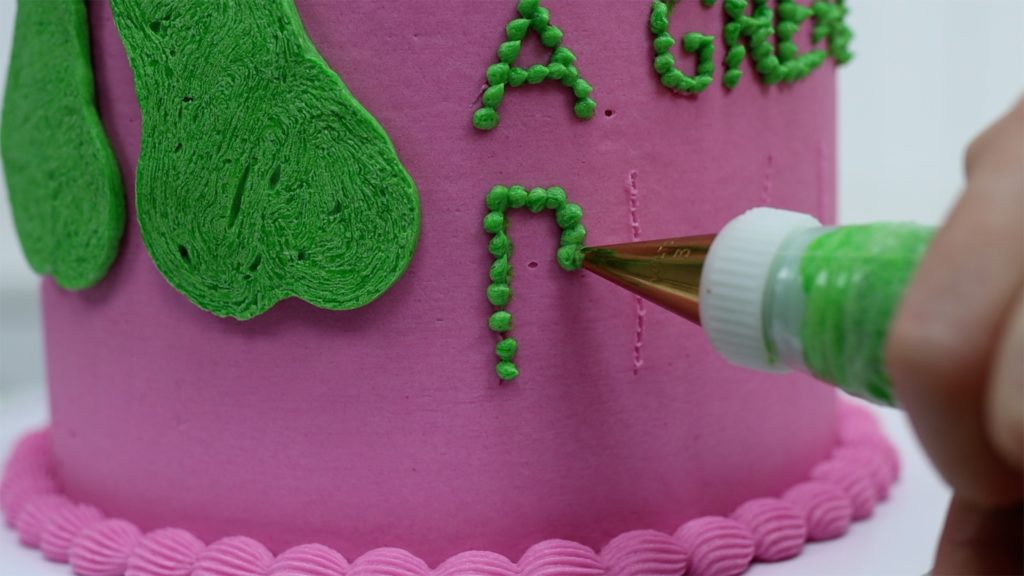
(505, 74)
(261, 177)
(65, 187)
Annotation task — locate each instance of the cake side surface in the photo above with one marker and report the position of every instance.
(841, 489)
(387, 425)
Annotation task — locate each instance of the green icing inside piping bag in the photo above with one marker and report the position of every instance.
(853, 278)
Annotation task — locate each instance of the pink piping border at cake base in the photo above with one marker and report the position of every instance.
(842, 488)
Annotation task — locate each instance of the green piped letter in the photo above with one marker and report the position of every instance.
(779, 60)
(567, 215)
(693, 43)
(505, 75)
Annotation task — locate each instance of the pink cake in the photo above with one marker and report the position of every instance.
(383, 433)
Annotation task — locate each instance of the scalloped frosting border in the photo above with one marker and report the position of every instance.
(843, 488)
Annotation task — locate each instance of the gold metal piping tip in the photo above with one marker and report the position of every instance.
(665, 272)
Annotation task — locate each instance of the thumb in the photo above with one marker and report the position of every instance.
(979, 540)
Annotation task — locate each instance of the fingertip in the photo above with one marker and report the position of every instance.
(978, 539)
(936, 378)
(1005, 399)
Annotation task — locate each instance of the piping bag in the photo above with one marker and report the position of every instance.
(776, 291)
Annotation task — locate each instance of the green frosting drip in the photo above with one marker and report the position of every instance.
(561, 66)
(853, 278)
(260, 176)
(782, 61)
(65, 187)
(570, 255)
(693, 43)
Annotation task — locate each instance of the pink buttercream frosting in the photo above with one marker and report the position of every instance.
(561, 557)
(389, 562)
(762, 529)
(309, 560)
(778, 527)
(825, 507)
(644, 553)
(165, 552)
(477, 562)
(233, 556)
(33, 517)
(27, 476)
(103, 549)
(64, 526)
(717, 546)
(867, 459)
(853, 480)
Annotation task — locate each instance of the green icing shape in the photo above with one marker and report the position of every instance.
(261, 177)
(853, 279)
(500, 200)
(65, 187)
(693, 43)
(773, 64)
(504, 74)
(782, 61)
(830, 24)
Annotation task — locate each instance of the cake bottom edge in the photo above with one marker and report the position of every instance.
(843, 488)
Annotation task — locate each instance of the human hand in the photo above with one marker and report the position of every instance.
(956, 357)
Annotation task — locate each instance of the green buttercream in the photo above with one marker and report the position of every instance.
(853, 278)
(500, 269)
(261, 177)
(500, 321)
(537, 200)
(499, 294)
(794, 64)
(507, 370)
(782, 61)
(693, 43)
(65, 187)
(773, 64)
(505, 74)
(494, 222)
(506, 349)
(517, 196)
(569, 255)
(830, 23)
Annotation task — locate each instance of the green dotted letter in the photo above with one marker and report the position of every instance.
(504, 74)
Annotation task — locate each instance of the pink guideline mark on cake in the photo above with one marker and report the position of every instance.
(826, 209)
(641, 307)
(768, 182)
(844, 487)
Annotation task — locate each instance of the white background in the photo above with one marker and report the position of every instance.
(928, 76)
